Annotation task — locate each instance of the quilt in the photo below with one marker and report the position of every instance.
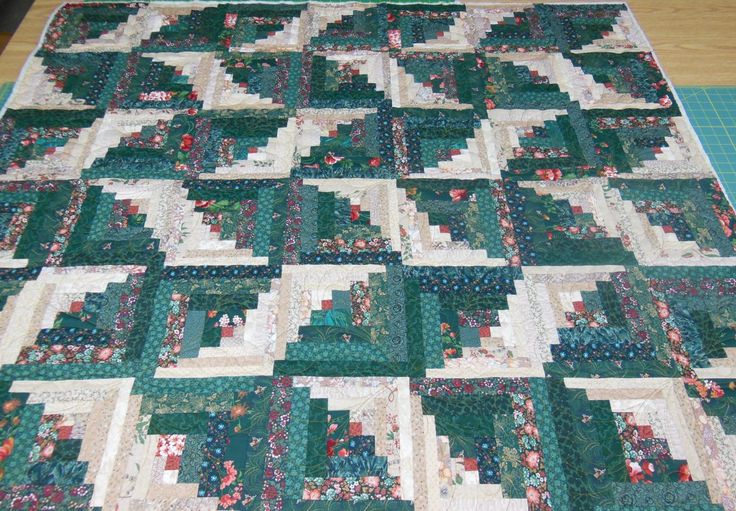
(360, 256)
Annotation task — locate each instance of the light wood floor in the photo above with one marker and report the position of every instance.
(692, 38)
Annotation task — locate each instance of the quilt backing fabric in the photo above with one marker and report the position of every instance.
(356, 256)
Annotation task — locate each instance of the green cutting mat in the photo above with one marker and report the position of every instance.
(712, 111)
(5, 90)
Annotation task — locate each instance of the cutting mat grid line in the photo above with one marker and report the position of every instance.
(712, 111)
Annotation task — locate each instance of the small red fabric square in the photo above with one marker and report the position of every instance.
(577, 210)
(354, 212)
(440, 34)
(445, 229)
(455, 152)
(471, 464)
(645, 431)
(333, 133)
(355, 428)
(657, 150)
(667, 228)
(326, 305)
(215, 228)
(578, 306)
(484, 331)
(227, 331)
(65, 432)
(76, 306)
(133, 209)
(173, 462)
(252, 150)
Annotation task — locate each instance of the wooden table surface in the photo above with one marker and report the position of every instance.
(692, 38)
